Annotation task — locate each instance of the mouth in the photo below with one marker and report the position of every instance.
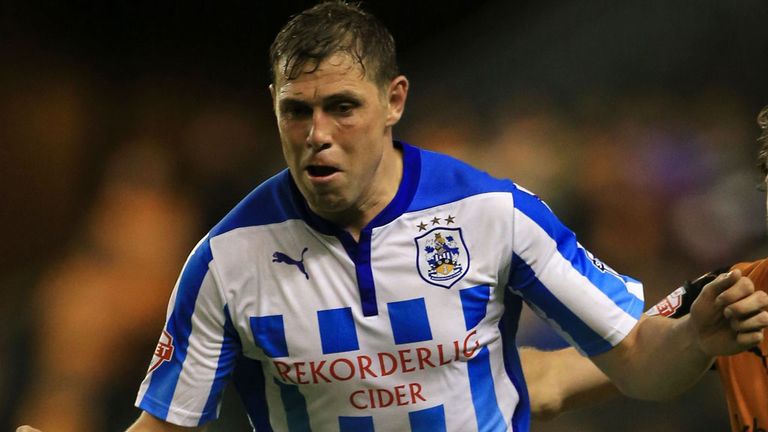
(320, 172)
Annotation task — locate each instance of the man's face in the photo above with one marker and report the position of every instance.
(335, 129)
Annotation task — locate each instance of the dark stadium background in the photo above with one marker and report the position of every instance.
(635, 121)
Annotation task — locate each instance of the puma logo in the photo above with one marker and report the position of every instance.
(280, 257)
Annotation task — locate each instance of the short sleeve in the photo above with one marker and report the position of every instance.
(588, 303)
(197, 349)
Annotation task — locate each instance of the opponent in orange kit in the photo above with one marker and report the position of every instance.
(745, 376)
(563, 380)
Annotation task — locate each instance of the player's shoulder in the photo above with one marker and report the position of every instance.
(443, 178)
(273, 201)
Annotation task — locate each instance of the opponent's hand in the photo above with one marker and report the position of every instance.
(26, 428)
(729, 316)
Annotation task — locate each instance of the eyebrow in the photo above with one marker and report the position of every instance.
(342, 96)
(291, 103)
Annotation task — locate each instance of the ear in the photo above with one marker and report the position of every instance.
(397, 93)
(272, 92)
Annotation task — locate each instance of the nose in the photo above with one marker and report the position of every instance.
(319, 136)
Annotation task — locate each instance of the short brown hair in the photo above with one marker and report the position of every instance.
(762, 158)
(329, 28)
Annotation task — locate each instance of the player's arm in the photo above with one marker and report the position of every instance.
(564, 380)
(661, 357)
(657, 357)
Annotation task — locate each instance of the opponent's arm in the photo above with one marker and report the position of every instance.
(661, 357)
(149, 423)
(563, 380)
(145, 423)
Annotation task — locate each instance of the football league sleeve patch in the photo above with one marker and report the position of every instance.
(678, 303)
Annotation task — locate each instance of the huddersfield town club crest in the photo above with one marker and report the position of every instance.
(442, 257)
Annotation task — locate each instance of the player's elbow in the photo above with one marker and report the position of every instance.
(546, 399)
(547, 410)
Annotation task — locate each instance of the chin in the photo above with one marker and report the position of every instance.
(329, 204)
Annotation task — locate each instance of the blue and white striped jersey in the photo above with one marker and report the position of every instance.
(409, 329)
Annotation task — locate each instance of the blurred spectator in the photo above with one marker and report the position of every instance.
(228, 149)
(44, 121)
(447, 126)
(536, 147)
(97, 310)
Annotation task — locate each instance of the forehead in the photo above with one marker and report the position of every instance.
(338, 73)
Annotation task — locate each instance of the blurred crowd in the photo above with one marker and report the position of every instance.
(106, 186)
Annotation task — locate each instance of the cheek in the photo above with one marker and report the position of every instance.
(291, 149)
(295, 131)
(292, 134)
(369, 159)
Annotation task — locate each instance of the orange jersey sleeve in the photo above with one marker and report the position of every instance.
(745, 376)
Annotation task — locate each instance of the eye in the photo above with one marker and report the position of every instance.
(343, 107)
(295, 110)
